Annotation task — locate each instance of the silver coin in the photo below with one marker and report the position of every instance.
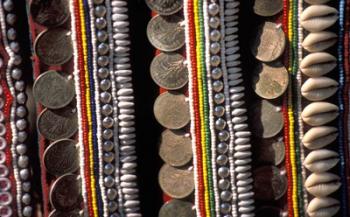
(165, 7)
(65, 194)
(177, 208)
(267, 119)
(166, 33)
(58, 124)
(169, 71)
(53, 90)
(267, 8)
(61, 157)
(270, 151)
(172, 110)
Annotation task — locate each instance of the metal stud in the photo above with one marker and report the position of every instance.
(218, 86)
(214, 22)
(220, 124)
(215, 60)
(102, 72)
(221, 160)
(101, 23)
(105, 97)
(224, 184)
(100, 11)
(223, 172)
(215, 48)
(216, 73)
(222, 148)
(108, 122)
(219, 111)
(105, 84)
(103, 48)
(215, 35)
(213, 9)
(108, 145)
(223, 136)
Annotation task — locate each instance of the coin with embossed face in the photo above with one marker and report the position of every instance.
(58, 124)
(169, 71)
(65, 194)
(175, 147)
(57, 213)
(268, 42)
(50, 13)
(172, 110)
(166, 33)
(177, 208)
(175, 182)
(54, 46)
(267, 8)
(61, 157)
(269, 183)
(53, 90)
(165, 7)
(267, 119)
(270, 80)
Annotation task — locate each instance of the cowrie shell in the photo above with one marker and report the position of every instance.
(319, 113)
(319, 137)
(321, 160)
(319, 88)
(318, 64)
(319, 41)
(322, 184)
(323, 207)
(316, 18)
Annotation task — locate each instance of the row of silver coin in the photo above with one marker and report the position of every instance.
(123, 99)
(242, 146)
(18, 111)
(325, 158)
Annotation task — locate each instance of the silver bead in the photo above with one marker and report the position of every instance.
(101, 23)
(108, 181)
(8, 5)
(107, 133)
(223, 136)
(21, 111)
(23, 161)
(215, 48)
(226, 196)
(21, 149)
(21, 124)
(218, 86)
(108, 122)
(215, 35)
(26, 199)
(100, 11)
(107, 109)
(102, 36)
(20, 86)
(224, 184)
(11, 19)
(215, 60)
(103, 48)
(108, 145)
(26, 186)
(27, 211)
(220, 124)
(225, 208)
(102, 72)
(214, 22)
(14, 46)
(105, 97)
(102, 60)
(17, 60)
(21, 98)
(223, 172)
(11, 34)
(219, 111)
(22, 136)
(222, 148)
(24, 174)
(213, 9)
(111, 194)
(108, 169)
(219, 98)
(16, 73)
(105, 84)
(221, 160)
(108, 157)
(112, 206)
(216, 73)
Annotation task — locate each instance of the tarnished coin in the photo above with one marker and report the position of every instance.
(54, 46)
(61, 157)
(270, 80)
(268, 42)
(269, 211)
(269, 183)
(56, 213)
(177, 183)
(53, 90)
(267, 119)
(65, 194)
(270, 151)
(175, 147)
(177, 208)
(267, 8)
(58, 124)
(165, 7)
(50, 13)
(172, 110)
(169, 71)
(166, 33)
